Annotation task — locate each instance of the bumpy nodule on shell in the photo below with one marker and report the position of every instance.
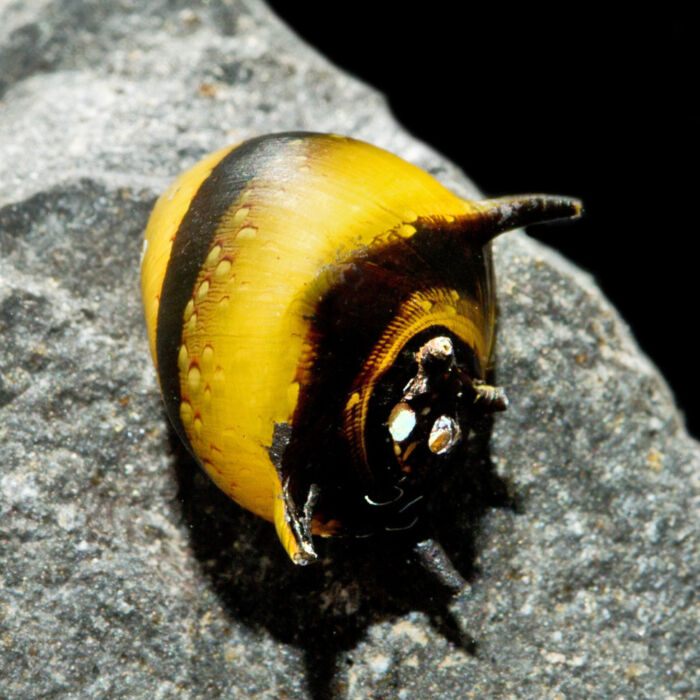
(321, 317)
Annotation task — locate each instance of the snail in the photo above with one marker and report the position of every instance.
(321, 318)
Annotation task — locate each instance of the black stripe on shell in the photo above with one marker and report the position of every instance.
(193, 241)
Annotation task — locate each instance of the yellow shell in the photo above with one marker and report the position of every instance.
(290, 285)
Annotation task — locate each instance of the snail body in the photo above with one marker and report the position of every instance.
(321, 318)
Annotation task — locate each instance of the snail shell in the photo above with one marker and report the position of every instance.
(321, 318)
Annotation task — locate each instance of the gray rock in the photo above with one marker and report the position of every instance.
(125, 573)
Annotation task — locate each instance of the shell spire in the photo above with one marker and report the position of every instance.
(503, 214)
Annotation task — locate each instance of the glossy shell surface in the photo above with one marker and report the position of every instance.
(283, 281)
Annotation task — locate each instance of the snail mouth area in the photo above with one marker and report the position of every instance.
(418, 423)
(419, 411)
(416, 429)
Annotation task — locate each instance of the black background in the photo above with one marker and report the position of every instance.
(593, 105)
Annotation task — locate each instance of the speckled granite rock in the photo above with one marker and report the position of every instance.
(124, 573)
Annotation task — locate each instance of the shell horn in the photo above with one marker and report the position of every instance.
(507, 213)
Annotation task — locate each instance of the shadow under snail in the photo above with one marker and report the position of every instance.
(321, 318)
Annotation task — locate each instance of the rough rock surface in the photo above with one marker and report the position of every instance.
(124, 573)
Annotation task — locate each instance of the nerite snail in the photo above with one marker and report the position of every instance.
(321, 317)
